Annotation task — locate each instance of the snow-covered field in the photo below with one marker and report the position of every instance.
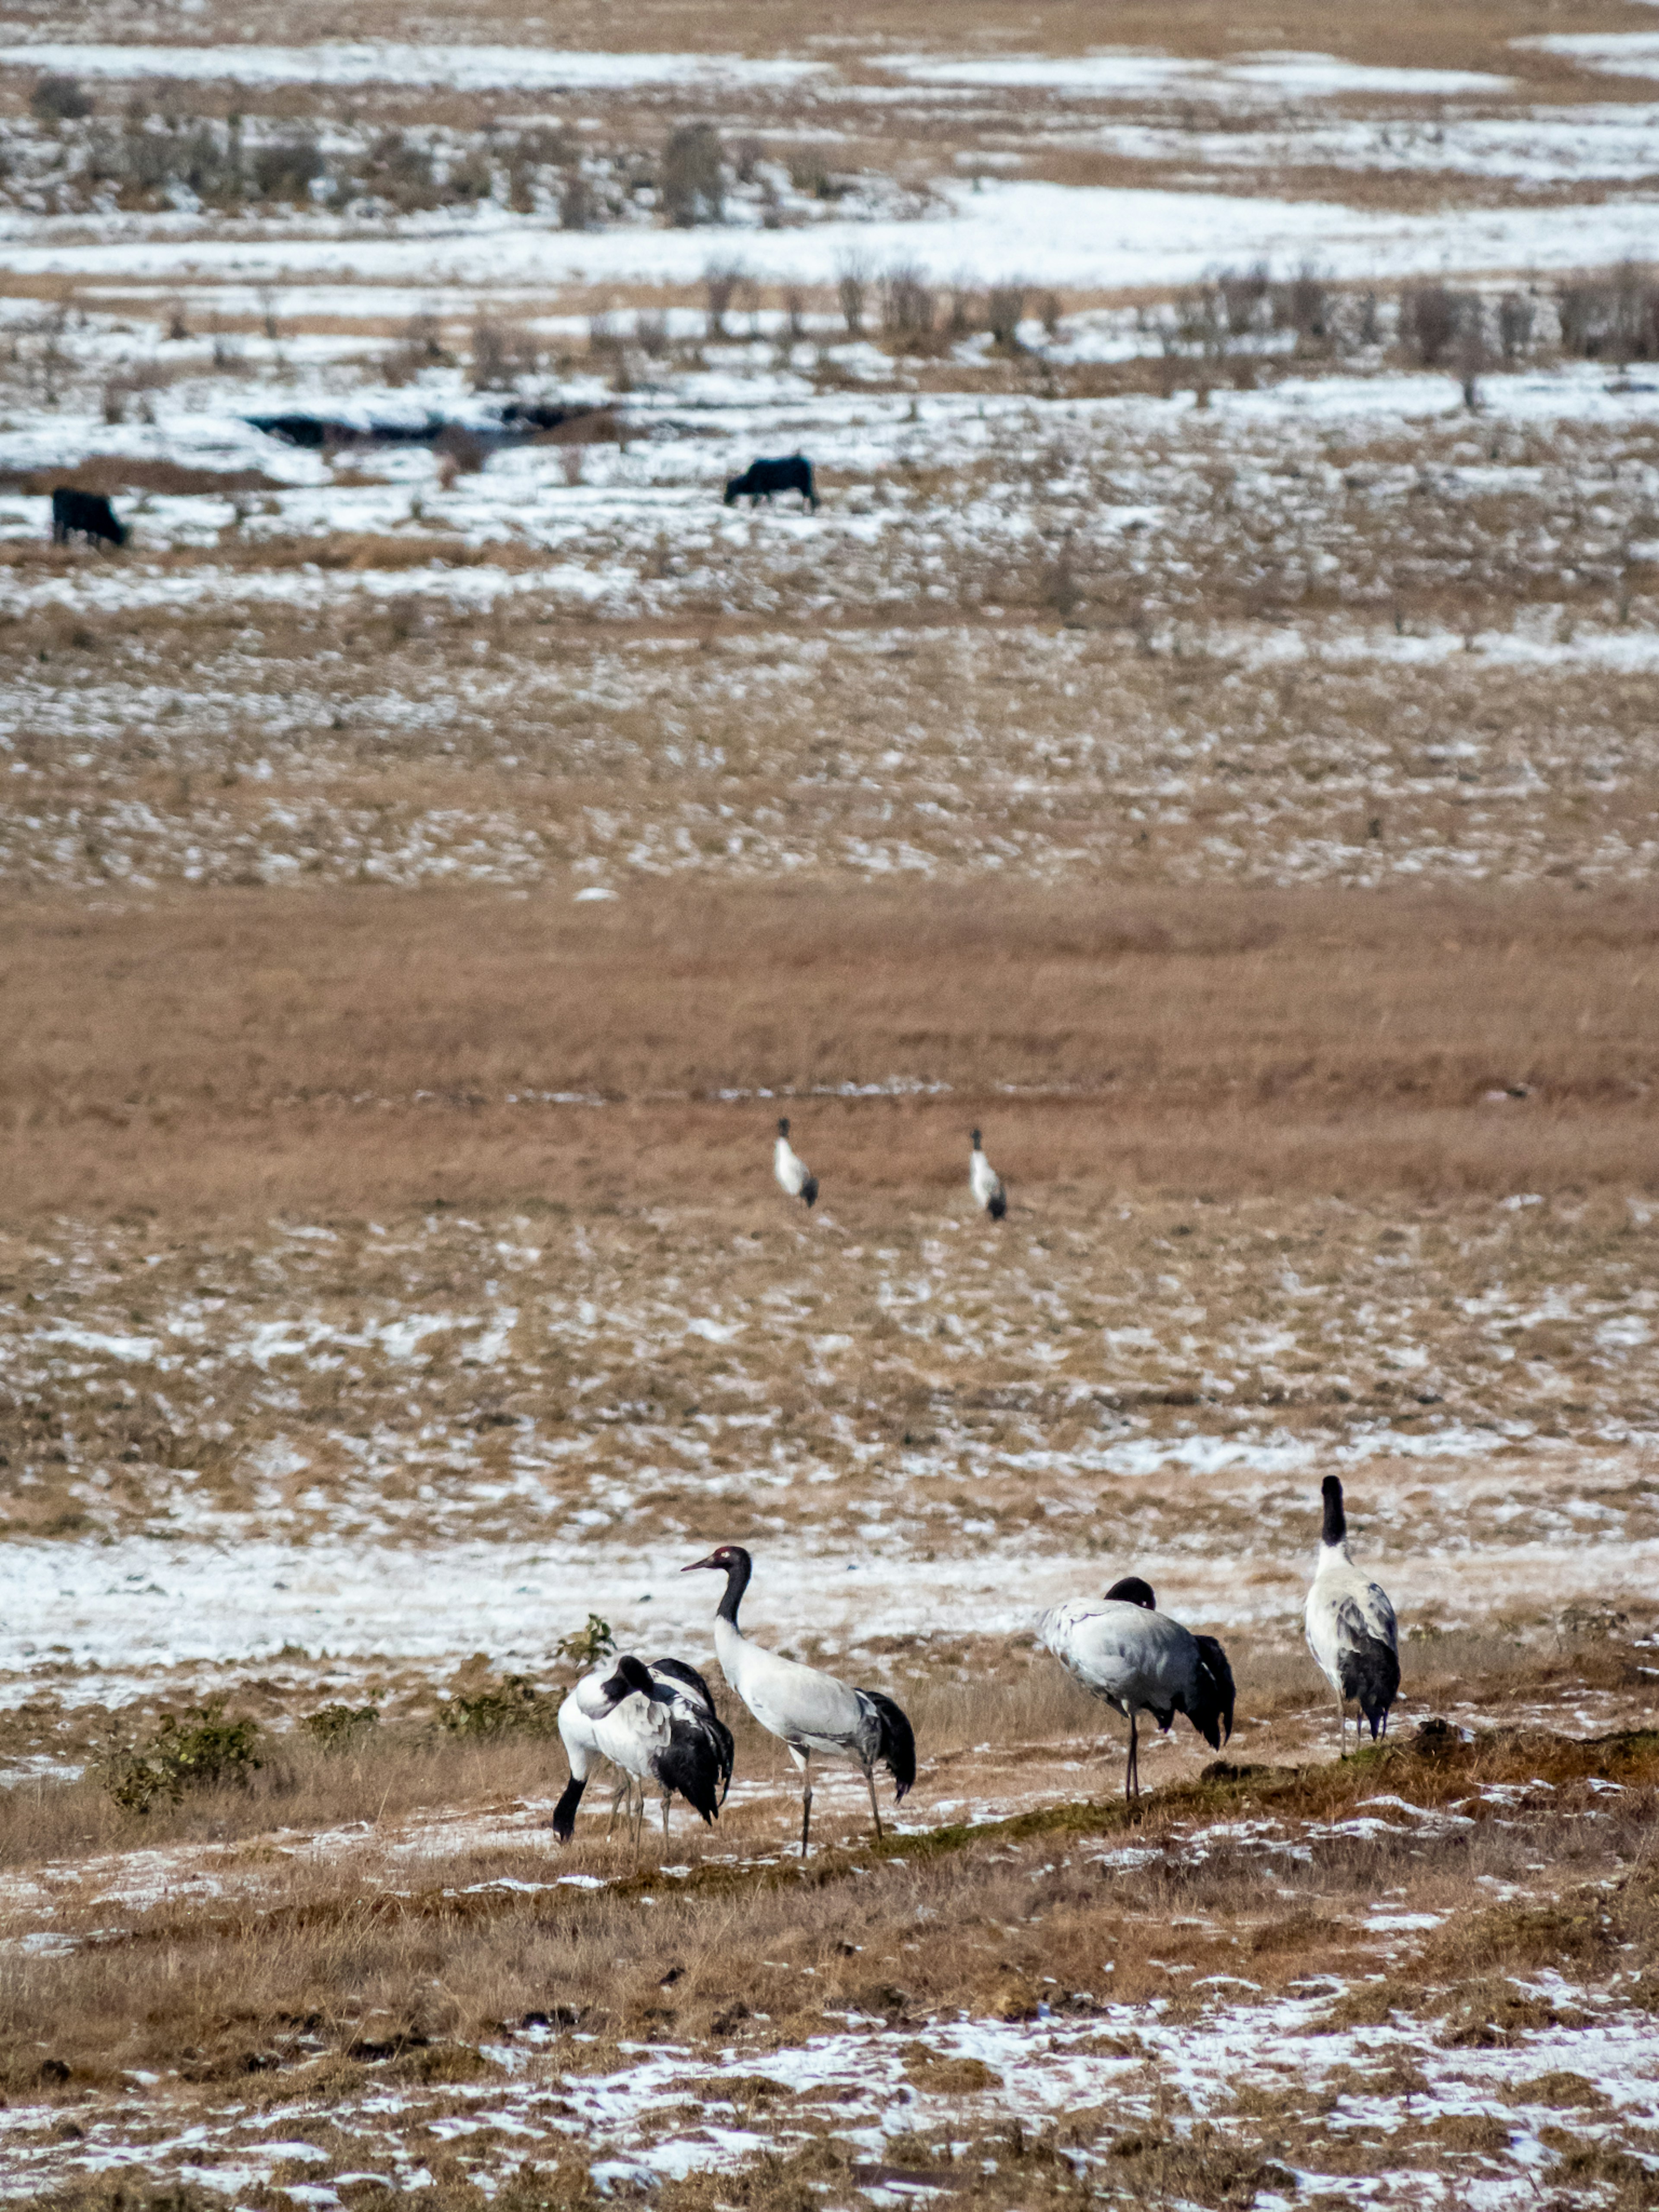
(1239, 476)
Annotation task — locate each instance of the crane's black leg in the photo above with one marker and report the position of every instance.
(805, 1804)
(870, 1783)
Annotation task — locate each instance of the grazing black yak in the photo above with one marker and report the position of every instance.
(86, 514)
(762, 478)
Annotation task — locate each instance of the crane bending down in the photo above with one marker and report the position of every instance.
(810, 1711)
(795, 1177)
(1139, 1661)
(990, 1192)
(658, 1724)
(1351, 1627)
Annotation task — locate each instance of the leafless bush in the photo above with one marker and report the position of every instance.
(722, 281)
(1303, 304)
(1005, 304)
(59, 100)
(1471, 358)
(651, 331)
(852, 294)
(1049, 311)
(604, 337)
(693, 185)
(133, 381)
(1431, 319)
(1246, 296)
(176, 328)
(227, 347)
(794, 312)
(1615, 320)
(287, 168)
(572, 462)
(746, 156)
(420, 347)
(966, 313)
(464, 449)
(1514, 322)
(907, 302)
(400, 171)
(502, 352)
(576, 202)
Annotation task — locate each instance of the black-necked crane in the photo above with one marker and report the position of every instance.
(1139, 1661)
(657, 1725)
(990, 1192)
(810, 1711)
(795, 1178)
(1351, 1627)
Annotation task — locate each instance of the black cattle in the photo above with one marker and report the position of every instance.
(86, 514)
(762, 478)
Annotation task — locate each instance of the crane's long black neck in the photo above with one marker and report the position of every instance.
(1336, 1520)
(737, 1582)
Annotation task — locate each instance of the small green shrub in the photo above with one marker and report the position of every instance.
(338, 1728)
(588, 1646)
(198, 1749)
(511, 1705)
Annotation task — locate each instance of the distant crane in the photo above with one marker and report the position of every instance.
(989, 1191)
(658, 1724)
(1139, 1661)
(795, 1177)
(1351, 1627)
(812, 1711)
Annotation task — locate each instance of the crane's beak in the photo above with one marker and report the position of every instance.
(718, 1564)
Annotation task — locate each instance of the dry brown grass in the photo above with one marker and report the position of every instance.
(173, 1054)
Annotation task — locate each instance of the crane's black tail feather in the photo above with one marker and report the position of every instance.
(563, 1822)
(1371, 1676)
(691, 1765)
(896, 1748)
(1212, 1711)
(998, 1204)
(809, 1190)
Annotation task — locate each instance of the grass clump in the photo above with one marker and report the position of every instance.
(503, 1708)
(586, 1647)
(198, 1749)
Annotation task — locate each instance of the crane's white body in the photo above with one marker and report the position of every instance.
(985, 1182)
(791, 1172)
(1139, 1661)
(628, 1735)
(809, 1711)
(1345, 1610)
(636, 1730)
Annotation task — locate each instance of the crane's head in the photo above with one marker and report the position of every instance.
(727, 1559)
(1132, 1591)
(975, 1137)
(783, 1125)
(629, 1678)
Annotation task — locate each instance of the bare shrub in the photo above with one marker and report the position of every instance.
(1515, 323)
(573, 464)
(57, 99)
(722, 281)
(463, 449)
(651, 331)
(693, 183)
(502, 352)
(603, 336)
(420, 347)
(576, 210)
(907, 302)
(853, 293)
(133, 381)
(966, 313)
(175, 327)
(1005, 304)
(1246, 296)
(1303, 304)
(287, 168)
(1049, 311)
(1471, 358)
(1431, 319)
(400, 171)
(1615, 320)
(794, 312)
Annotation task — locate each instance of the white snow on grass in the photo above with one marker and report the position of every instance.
(1083, 236)
(1130, 75)
(1615, 53)
(119, 1611)
(459, 68)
